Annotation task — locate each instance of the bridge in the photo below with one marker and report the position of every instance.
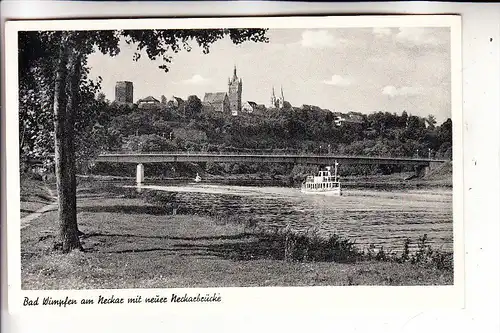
(224, 157)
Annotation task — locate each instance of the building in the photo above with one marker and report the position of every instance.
(235, 89)
(350, 118)
(124, 92)
(249, 107)
(277, 102)
(148, 102)
(229, 102)
(175, 102)
(218, 102)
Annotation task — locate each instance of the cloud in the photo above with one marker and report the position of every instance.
(382, 32)
(417, 36)
(319, 39)
(392, 91)
(338, 80)
(196, 79)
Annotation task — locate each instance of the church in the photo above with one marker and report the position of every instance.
(226, 102)
(277, 102)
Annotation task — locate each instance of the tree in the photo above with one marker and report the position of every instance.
(445, 138)
(61, 57)
(193, 107)
(101, 97)
(431, 121)
(404, 119)
(36, 97)
(148, 143)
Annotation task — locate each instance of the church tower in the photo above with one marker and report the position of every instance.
(277, 102)
(235, 88)
(273, 99)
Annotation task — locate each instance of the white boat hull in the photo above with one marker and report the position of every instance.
(337, 192)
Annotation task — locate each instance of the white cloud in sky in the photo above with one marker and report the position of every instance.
(318, 39)
(196, 79)
(408, 35)
(402, 91)
(417, 36)
(382, 32)
(338, 80)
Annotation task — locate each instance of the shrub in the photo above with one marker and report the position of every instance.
(158, 197)
(405, 256)
(310, 246)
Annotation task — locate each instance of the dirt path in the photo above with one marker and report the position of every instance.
(25, 221)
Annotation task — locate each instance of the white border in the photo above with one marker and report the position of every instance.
(481, 86)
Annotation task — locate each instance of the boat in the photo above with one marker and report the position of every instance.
(197, 178)
(324, 183)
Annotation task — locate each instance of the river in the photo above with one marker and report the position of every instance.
(381, 218)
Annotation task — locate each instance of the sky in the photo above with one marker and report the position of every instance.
(341, 69)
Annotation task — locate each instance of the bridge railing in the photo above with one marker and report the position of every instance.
(265, 153)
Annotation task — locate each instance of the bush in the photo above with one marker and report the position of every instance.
(425, 255)
(148, 143)
(309, 246)
(158, 197)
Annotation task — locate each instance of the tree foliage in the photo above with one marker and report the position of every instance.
(193, 107)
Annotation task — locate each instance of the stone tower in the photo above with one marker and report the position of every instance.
(124, 92)
(235, 87)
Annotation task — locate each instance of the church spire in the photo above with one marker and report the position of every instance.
(234, 73)
(282, 97)
(273, 99)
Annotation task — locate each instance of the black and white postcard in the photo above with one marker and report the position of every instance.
(225, 161)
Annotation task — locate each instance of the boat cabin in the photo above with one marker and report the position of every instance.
(324, 181)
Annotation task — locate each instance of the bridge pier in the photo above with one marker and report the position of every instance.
(140, 174)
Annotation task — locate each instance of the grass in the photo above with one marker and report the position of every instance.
(34, 194)
(132, 240)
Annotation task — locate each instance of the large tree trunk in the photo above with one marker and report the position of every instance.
(73, 103)
(64, 147)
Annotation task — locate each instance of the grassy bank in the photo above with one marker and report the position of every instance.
(133, 241)
(35, 194)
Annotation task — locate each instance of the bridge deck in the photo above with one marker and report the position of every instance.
(170, 157)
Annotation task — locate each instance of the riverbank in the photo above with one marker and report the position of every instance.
(133, 241)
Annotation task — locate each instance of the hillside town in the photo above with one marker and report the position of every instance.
(226, 102)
